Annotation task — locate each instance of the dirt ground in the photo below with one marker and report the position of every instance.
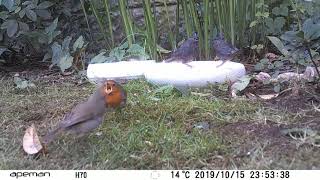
(282, 133)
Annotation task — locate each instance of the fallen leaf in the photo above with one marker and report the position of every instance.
(268, 96)
(284, 77)
(262, 76)
(31, 141)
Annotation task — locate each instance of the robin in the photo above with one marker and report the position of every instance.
(88, 115)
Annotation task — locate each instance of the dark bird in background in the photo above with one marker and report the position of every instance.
(224, 51)
(187, 52)
(88, 115)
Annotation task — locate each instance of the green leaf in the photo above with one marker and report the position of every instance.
(166, 91)
(162, 50)
(278, 64)
(311, 30)
(279, 22)
(78, 43)
(26, 3)
(282, 10)
(277, 88)
(43, 13)
(4, 15)
(117, 53)
(259, 67)
(293, 37)
(65, 44)
(61, 55)
(47, 56)
(264, 61)
(100, 58)
(125, 45)
(17, 9)
(8, 4)
(2, 50)
(12, 27)
(253, 23)
(22, 84)
(22, 13)
(135, 49)
(52, 27)
(4, 25)
(242, 83)
(65, 62)
(44, 5)
(31, 14)
(23, 26)
(56, 53)
(277, 42)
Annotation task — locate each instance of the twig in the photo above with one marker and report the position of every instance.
(313, 62)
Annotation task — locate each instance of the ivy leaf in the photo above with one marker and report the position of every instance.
(8, 4)
(31, 14)
(22, 13)
(23, 26)
(12, 27)
(44, 5)
(43, 13)
(4, 15)
(2, 50)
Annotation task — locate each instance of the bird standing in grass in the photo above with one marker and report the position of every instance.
(224, 51)
(87, 116)
(187, 52)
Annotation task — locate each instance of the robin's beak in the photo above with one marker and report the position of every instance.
(108, 90)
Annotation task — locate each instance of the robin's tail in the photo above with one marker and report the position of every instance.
(51, 135)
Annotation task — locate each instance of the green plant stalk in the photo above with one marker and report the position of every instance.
(206, 28)
(150, 29)
(242, 22)
(219, 14)
(177, 24)
(186, 18)
(171, 36)
(313, 62)
(86, 16)
(192, 7)
(95, 12)
(253, 16)
(232, 20)
(107, 8)
(295, 8)
(127, 24)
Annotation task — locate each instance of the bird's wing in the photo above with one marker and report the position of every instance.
(78, 114)
(224, 48)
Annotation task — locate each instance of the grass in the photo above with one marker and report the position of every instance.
(153, 131)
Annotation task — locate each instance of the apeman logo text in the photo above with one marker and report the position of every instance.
(29, 174)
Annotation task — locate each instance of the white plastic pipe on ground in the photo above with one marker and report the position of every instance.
(199, 74)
